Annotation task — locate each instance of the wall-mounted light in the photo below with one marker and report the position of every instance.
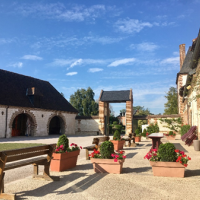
(2, 112)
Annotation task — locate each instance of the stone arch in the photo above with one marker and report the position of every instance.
(31, 117)
(62, 122)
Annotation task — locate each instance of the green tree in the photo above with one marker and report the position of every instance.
(62, 94)
(171, 107)
(83, 101)
(140, 110)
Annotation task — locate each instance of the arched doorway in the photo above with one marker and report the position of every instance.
(56, 126)
(22, 125)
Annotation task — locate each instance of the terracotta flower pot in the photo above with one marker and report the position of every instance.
(137, 139)
(64, 161)
(168, 169)
(171, 137)
(118, 145)
(107, 165)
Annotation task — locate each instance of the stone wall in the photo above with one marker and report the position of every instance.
(40, 119)
(155, 119)
(87, 125)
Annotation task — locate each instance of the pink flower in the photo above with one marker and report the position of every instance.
(61, 146)
(81, 147)
(116, 156)
(182, 152)
(124, 156)
(115, 160)
(113, 155)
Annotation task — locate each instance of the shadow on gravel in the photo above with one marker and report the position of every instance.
(130, 155)
(51, 187)
(180, 147)
(83, 166)
(189, 173)
(136, 170)
(84, 184)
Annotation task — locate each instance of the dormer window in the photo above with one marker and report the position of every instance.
(35, 96)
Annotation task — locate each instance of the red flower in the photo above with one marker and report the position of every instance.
(176, 150)
(185, 165)
(189, 158)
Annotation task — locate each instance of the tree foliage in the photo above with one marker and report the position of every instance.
(171, 107)
(83, 101)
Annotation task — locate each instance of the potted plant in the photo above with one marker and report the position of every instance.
(117, 141)
(171, 135)
(196, 145)
(137, 135)
(64, 157)
(167, 161)
(106, 160)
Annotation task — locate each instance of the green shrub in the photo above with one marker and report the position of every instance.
(144, 132)
(166, 152)
(63, 140)
(153, 128)
(116, 135)
(171, 133)
(118, 127)
(115, 123)
(137, 132)
(184, 129)
(106, 149)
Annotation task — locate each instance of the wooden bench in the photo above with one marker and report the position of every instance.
(96, 145)
(189, 133)
(12, 159)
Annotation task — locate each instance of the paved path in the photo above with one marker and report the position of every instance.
(136, 182)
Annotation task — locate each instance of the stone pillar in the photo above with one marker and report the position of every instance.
(101, 117)
(129, 114)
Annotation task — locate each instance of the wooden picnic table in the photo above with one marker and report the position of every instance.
(156, 139)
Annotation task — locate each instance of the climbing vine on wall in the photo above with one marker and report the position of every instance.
(173, 124)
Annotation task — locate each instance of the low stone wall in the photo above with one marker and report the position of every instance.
(156, 119)
(87, 125)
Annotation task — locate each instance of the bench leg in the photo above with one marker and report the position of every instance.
(5, 195)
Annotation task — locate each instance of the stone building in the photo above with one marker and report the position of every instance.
(188, 84)
(29, 106)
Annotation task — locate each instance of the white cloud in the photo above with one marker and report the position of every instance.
(74, 62)
(31, 57)
(71, 73)
(6, 41)
(59, 11)
(145, 46)
(18, 65)
(77, 62)
(121, 62)
(172, 61)
(95, 70)
(131, 25)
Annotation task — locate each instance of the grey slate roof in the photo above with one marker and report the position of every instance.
(13, 89)
(186, 64)
(115, 96)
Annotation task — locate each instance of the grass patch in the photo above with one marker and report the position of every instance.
(10, 146)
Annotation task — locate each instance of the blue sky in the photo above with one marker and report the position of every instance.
(109, 45)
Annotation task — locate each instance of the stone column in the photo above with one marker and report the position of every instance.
(101, 117)
(129, 114)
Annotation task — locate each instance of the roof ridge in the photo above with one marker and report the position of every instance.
(23, 75)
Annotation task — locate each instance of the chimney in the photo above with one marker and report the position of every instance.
(182, 54)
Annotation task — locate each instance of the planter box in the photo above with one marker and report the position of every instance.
(171, 137)
(118, 145)
(168, 169)
(137, 139)
(107, 165)
(64, 161)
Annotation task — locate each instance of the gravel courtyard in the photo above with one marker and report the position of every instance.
(81, 183)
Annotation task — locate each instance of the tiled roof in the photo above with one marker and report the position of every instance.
(115, 96)
(186, 64)
(13, 92)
